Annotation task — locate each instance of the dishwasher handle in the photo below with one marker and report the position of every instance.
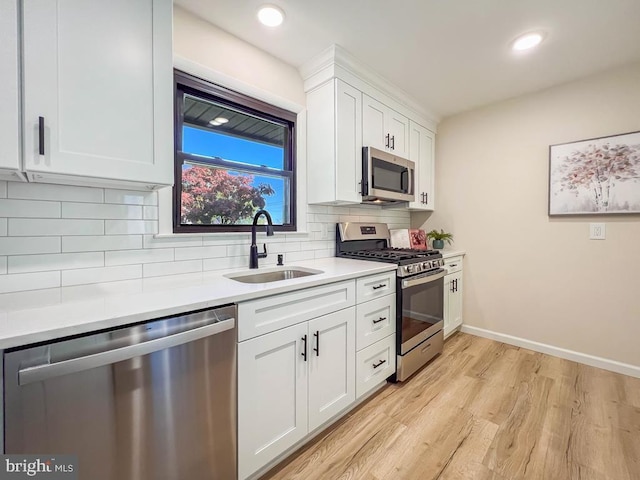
(40, 373)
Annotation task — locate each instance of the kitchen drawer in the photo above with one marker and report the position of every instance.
(375, 320)
(375, 364)
(453, 264)
(264, 315)
(375, 286)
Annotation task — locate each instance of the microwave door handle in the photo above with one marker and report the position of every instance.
(404, 180)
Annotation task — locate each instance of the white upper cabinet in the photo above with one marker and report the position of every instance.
(349, 107)
(334, 143)
(421, 151)
(10, 92)
(384, 128)
(98, 92)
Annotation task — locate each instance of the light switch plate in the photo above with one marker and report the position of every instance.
(597, 231)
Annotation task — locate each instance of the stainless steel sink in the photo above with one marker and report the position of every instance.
(272, 275)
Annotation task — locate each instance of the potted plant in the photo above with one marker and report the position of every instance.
(439, 237)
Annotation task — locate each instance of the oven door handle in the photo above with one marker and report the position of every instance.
(412, 282)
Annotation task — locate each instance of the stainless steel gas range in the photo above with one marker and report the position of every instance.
(419, 291)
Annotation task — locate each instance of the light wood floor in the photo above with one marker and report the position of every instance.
(485, 410)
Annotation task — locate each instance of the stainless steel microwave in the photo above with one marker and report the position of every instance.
(386, 178)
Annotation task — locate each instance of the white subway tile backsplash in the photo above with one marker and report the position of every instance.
(98, 275)
(166, 242)
(130, 227)
(131, 257)
(101, 211)
(56, 261)
(101, 243)
(193, 253)
(130, 197)
(41, 191)
(150, 213)
(226, 262)
(330, 252)
(29, 281)
(52, 235)
(298, 256)
(29, 245)
(172, 268)
(19, 227)
(29, 209)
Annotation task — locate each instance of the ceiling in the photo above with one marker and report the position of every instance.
(449, 55)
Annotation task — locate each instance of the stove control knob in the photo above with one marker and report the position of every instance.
(425, 266)
(409, 268)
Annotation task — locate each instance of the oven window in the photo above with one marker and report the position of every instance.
(422, 307)
(390, 177)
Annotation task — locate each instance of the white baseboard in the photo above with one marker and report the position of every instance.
(599, 362)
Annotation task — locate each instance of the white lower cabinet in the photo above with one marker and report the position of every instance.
(290, 382)
(304, 357)
(452, 295)
(272, 397)
(332, 365)
(375, 364)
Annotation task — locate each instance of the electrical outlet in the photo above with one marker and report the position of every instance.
(597, 231)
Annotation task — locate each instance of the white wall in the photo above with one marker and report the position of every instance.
(205, 44)
(527, 274)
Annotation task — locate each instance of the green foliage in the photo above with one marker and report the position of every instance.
(212, 196)
(440, 235)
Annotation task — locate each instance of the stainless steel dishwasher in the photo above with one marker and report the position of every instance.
(151, 401)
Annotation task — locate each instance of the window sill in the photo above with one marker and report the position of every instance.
(230, 234)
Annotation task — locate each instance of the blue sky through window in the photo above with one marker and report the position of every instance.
(211, 144)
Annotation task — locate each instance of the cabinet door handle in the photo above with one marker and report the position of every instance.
(393, 142)
(379, 286)
(426, 198)
(455, 283)
(41, 135)
(381, 319)
(452, 285)
(317, 349)
(304, 348)
(376, 365)
(386, 141)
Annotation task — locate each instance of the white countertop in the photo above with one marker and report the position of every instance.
(41, 315)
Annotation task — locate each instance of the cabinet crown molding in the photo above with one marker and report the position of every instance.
(337, 62)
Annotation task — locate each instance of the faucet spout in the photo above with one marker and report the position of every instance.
(253, 253)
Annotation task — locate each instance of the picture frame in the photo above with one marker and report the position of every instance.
(596, 176)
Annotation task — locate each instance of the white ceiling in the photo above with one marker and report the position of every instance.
(449, 55)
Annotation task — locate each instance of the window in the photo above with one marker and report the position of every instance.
(234, 155)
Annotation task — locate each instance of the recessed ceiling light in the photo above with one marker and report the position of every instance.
(221, 120)
(270, 15)
(527, 41)
(215, 123)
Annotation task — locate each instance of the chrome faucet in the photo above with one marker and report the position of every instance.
(253, 254)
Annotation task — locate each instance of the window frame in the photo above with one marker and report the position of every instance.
(186, 83)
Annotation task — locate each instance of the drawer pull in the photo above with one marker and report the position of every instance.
(381, 319)
(382, 285)
(376, 365)
(453, 265)
(425, 348)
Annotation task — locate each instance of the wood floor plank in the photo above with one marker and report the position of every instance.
(484, 410)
